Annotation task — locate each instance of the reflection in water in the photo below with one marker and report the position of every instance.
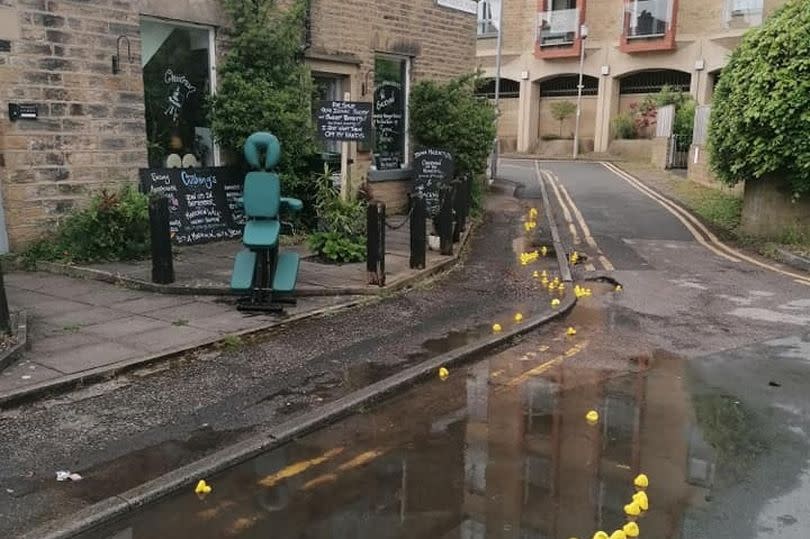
(474, 457)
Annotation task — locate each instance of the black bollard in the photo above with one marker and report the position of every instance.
(381, 235)
(5, 315)
(418, 233)
(162, 264)
(446, 223)
(372, 242)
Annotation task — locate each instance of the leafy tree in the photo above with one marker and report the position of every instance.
(761, 111)
(449, 116)
(264, 85)
(561, 111)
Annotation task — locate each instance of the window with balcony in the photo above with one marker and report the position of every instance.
(559, 23)
(488, 11)
(648, 18)
(648, 25)
(743, 13)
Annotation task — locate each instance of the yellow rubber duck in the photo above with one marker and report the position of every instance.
(544, 250)
(631, 529)
(444, 373)
(632, 509)
(555, 302)
(619, 288)
(496, 328)
(592, 417)
(544, 273)
(535, 274)
(600, 535)
(618, 534)
(642, 500)
(533, 213)
(518, 317)
(544, 280)
(571, 332)
(641, 481)
(561, 287)
(202, 487)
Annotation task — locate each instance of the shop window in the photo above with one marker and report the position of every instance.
(177, 67)
(390, 106)
(328, 88)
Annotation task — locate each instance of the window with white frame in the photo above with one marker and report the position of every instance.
(488, 11)
(177, 61)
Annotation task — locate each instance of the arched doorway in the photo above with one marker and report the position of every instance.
(509, 93)
(557, 111)
(635, 87)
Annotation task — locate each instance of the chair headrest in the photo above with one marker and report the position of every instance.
(262, 144)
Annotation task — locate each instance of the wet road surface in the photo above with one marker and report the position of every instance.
(502, 449)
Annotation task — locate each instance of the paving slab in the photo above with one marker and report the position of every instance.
(25, 373)
(64, 340)
(191, 311)
(167, 338)
(84, 358)
(151, 302)
(131, 325)
(84, 317)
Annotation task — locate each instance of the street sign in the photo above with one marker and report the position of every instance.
(433, 170)
(467, 6)
(344, 120)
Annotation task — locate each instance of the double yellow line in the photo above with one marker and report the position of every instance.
(702, 235)
(565, 201)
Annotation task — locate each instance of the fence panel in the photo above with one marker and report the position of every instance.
(665, 119)
(700, 134)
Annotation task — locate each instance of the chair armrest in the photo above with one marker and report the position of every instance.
(291, 204)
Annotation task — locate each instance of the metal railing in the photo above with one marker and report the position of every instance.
(557, 27)
(647, 18)
(743, 13)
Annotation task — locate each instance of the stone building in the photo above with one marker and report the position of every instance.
(632, 48)
(95, 128)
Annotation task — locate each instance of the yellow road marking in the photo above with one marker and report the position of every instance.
(298, 468)
(687, 223)
(358, 461)
(717, 244)
(586, 231)
(606, 263)
(543, 367)
(556, 184)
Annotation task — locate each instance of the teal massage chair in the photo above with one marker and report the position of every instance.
(264, 276)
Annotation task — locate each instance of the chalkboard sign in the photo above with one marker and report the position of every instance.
(389, 124)
(433, 170)
(203, 202)
(344, 120)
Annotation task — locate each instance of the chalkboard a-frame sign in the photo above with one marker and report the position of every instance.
(204, 203)
(433, 171)
(348, 121)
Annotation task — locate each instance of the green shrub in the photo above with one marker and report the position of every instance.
(685, 119)
(341, 235)
(624, 126)
(338, 248)
(450, 116)
(561, 111)
(761, 108)
(264, 85)
(114, 227)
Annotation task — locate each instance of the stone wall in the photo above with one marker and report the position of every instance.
(769, 211)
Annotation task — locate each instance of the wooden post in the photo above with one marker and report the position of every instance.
(418, 232)
(162, 264)
(446, 223)
(344, 163)
(381, 243)
(5, 315)
(372, 243)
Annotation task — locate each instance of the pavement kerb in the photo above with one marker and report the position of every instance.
(303, 291)
(65, 383)
(562, 259)
(792, 260)
(117, 506)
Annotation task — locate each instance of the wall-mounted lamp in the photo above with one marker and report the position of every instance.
(116, 59)
(364, 87)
